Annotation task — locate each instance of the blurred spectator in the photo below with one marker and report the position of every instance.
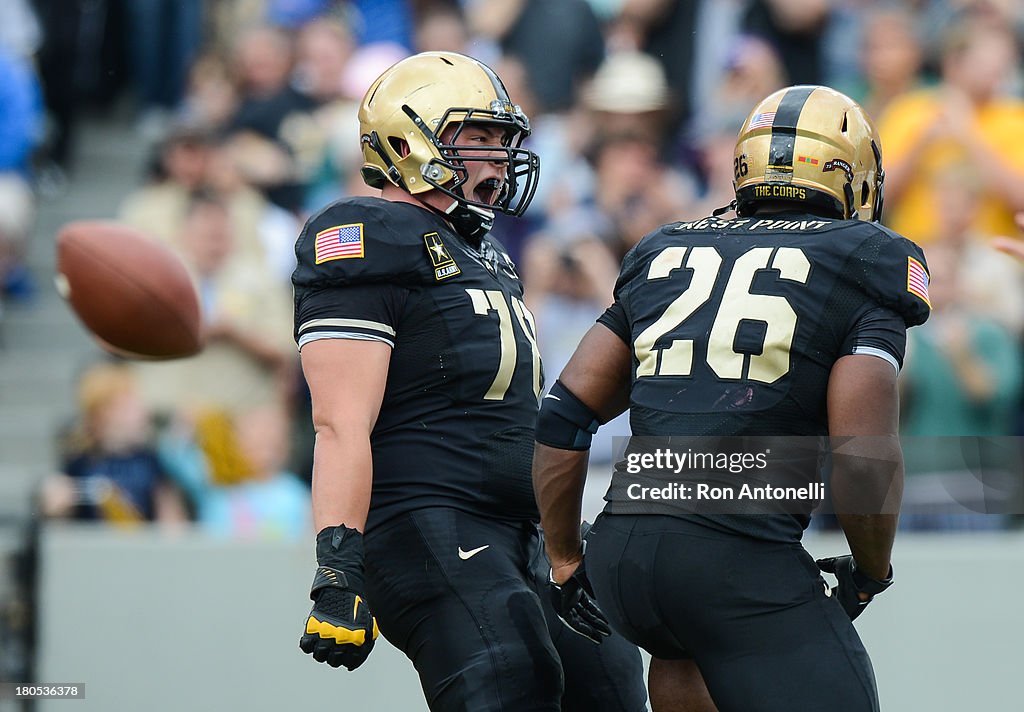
(690, 38)
(189, 160)
(177, 170)
(891, 57)
(442, 28)
(264, 234)
(752, 71)
(60, 59)
(272, 118)
(111, 471)
(635, 190)
(330, 154)
(577, 255)
(1012, 246)
(967, 126)
(20, 32)
(258, 498)
(20, 133)
(292, 14)
(629, 93)
(559, 43)
(990, 283)
(559, 138)
(963, 371)
(960, 387)
(323, 49)
(796, 29)
(249, 354)
(226, 18)
(17, 218)
(338, 174)
(164, 36)
(715, 151)
(20, 113)
(384, 22)
(210, 96)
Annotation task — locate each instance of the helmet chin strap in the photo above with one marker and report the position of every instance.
(470, 221)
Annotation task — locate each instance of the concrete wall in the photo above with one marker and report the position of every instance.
(169, 623)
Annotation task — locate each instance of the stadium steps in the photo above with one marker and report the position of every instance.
(42, 346)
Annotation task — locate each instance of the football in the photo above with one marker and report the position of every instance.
(133, 293)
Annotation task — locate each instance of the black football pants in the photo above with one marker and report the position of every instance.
(755, 615)
(458, 594)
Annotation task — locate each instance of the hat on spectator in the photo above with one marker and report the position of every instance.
(628, 82)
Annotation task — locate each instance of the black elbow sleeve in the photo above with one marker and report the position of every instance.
(565, 422)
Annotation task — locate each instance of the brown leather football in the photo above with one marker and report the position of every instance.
(130, 291)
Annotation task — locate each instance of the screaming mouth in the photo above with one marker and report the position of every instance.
(487, 191)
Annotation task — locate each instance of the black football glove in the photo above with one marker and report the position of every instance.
(851, 582)
(340, 630)
(575, 605)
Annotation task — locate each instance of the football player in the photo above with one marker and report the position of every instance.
(423, 366)
(788, 320)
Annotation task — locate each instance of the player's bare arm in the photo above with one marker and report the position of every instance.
(598, 375)
(346, 380)
(867, 481)
(867, 475)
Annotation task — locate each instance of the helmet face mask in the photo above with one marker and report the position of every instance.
(521, 165)
(810, 145)
(411, 121)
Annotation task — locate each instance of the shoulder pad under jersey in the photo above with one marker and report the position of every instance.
(892, 271)
(366, 240)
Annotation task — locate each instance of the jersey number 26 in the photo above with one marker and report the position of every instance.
(738, 304)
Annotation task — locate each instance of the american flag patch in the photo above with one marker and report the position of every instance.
(917, 280)
(339, 243)
(760, 121)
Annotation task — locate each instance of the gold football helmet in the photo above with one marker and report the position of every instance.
(406, 111)
(813, 145)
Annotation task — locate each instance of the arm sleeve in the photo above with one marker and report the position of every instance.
(880, 332)
(365, 311)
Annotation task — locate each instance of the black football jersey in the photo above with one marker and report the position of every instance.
(457, 419)
(735, 324)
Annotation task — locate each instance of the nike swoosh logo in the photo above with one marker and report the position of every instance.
(472, 552)
(552, 397)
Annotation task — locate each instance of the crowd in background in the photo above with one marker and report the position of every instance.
(250, 109)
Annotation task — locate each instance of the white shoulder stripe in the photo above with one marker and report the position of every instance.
(884, 355)
(350, 323)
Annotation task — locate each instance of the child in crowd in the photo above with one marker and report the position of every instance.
(110, 468)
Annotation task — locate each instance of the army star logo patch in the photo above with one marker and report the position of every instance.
(440, 257)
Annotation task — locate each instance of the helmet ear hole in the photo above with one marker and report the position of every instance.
(864, 192)
(845, 127)
(399, 146)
